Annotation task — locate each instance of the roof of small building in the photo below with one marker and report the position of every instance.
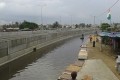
(110, 34)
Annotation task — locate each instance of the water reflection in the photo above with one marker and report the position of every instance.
(45, 64)
(7, 71)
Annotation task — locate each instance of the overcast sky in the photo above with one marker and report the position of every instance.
(64, 11)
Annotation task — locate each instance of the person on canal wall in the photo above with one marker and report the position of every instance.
(94, 40)
(118, 63)
(90, 37)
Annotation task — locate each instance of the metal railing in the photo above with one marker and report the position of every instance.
(17, 43)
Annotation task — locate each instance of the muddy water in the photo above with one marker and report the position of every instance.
(45, 64)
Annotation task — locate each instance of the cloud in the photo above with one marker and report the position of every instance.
(2, 5)
(80, 10)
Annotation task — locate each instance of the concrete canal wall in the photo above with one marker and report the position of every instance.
(15, 47)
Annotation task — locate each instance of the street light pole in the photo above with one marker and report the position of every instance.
(60, 20)
(94, 21)
(41, 15)
(93, 17)
(71, 21)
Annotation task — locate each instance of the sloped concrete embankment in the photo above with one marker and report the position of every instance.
(16, 48)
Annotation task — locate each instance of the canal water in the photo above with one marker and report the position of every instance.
(45, 64)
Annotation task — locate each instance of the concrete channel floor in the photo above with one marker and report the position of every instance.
(97, 69)
(106, 55)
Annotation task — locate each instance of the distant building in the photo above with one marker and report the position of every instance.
(1, 28)
(66, 26)
(118, 25)
(73, 26)
(25, 29)
(12, 29)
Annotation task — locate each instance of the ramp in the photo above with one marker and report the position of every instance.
(97, 70)
(82, 54)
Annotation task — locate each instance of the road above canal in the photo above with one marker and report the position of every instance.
(45, 64)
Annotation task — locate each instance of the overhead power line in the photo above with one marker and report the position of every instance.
(108, 8)
(114, 4)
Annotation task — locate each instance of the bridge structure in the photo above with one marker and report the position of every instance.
(17, 44)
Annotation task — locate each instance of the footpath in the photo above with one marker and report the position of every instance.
(106, 55)
(106, 58)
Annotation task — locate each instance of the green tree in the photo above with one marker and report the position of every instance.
(16, 24)
(104, 26)
(76, 26)
(88, 25)
(29, 25)
(82, 25)
(56, 25)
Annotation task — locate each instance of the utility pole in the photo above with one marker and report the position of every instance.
(41, 15)
(94, 21)
(71, 20)
(60, 20)
(101, 21)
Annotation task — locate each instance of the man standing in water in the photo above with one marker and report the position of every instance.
(82, 36)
